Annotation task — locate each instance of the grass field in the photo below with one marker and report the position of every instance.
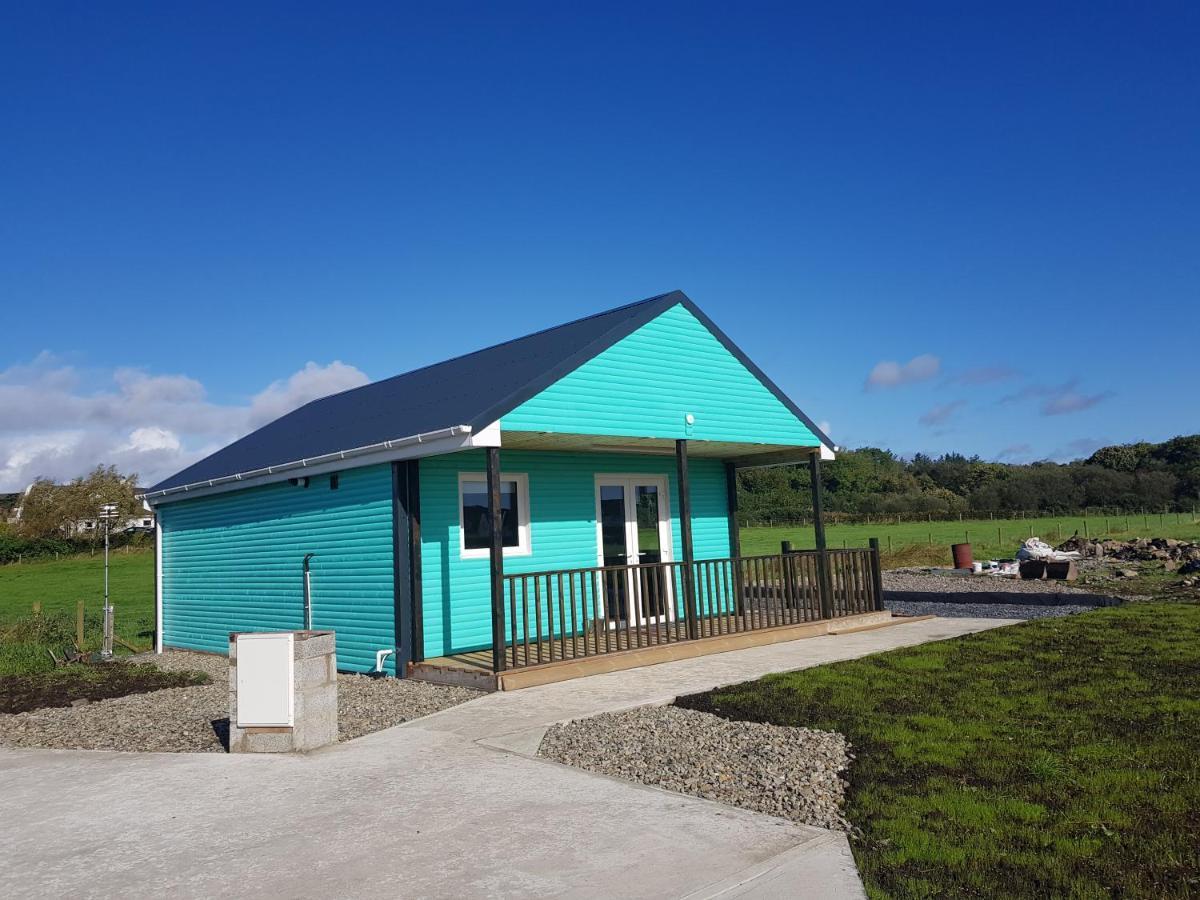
(57, 585)
(1051, 759)
(990, 539)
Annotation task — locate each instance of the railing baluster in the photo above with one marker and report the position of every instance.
(727, 598)
(814, 589)
(863, 582)
(512, 619)
(525, 618)
(674, 616)
(788, 589)
(604, 620)
(562, 622)
(652, 576)
(641, 627)
(633, 619)
(537, 611)
(767, 607)
(574, 618)
(739, 572)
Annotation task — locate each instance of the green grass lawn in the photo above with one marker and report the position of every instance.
(1057, 758)
(991, 539)
(57, 585)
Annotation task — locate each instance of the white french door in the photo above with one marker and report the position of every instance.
(633, 526)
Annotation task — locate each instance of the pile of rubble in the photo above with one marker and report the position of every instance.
(1171, 553)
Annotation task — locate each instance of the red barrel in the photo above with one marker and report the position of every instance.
(962, 556)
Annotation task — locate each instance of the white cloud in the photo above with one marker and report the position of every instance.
(309, 383)
(943, 413)
(1060, 399)
(56, 423)
(889, 374)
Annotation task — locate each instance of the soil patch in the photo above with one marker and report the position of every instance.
(85, 682)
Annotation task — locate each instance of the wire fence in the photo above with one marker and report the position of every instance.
(1143, 515)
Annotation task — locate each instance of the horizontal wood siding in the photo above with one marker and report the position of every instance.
(233, 562)
(645, 384)
(457, 598)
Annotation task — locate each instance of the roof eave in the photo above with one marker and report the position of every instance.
(431, 443)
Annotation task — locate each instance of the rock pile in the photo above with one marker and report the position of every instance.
(1175, 556)
(1165, 550)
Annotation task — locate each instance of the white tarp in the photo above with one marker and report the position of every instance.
(1036, 548)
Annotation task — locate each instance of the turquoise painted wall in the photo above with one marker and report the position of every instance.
(232, 562)
(562, 500)
(646, 383)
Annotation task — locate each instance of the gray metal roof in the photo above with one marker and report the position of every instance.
(473, 390)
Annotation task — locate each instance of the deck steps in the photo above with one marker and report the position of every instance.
(875, 626)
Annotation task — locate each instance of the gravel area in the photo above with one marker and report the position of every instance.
(982, 610)
(927, 579)
(793, 773)
(196, 719)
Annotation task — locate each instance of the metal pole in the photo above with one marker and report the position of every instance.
(106, 648)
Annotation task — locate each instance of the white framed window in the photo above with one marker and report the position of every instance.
(474, 525)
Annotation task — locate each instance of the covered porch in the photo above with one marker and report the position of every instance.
(553, 624)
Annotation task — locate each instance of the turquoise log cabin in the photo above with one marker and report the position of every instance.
(565, 496)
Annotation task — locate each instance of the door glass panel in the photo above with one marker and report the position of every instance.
(615, 549)
(646, 498)
(651, 586)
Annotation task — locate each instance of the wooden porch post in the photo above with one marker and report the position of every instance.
(685, 537)
(735, 536)
(496, 556)
(876, 575)
(814, 472)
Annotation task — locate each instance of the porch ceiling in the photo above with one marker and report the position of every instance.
(743, 454)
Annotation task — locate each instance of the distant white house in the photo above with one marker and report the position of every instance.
(11, 506)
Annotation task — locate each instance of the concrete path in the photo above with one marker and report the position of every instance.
(429, 809)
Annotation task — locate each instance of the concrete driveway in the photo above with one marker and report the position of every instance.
(452, 805)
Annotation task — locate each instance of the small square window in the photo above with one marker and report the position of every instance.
(475, 524)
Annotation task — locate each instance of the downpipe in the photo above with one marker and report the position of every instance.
(308, 592)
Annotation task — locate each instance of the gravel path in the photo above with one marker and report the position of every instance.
(793, 773)
(982, 610)
(196, 719)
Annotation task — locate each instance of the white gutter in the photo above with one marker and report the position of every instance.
(443, 440)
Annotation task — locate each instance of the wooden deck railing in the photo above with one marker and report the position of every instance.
(560, 615)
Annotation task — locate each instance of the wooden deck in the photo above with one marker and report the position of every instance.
(644, 646)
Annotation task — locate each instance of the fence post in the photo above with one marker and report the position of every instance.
(876, 574)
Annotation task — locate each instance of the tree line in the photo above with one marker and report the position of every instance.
(874, 481)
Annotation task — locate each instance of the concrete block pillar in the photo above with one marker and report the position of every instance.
(287, 682)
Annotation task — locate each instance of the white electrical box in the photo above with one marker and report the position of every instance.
(265, 686)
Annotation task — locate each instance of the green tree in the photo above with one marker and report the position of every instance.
(54, 510)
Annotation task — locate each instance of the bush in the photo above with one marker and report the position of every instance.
(16, 547)
(26, 644)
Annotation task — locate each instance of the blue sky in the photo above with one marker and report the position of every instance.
(937, 227)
